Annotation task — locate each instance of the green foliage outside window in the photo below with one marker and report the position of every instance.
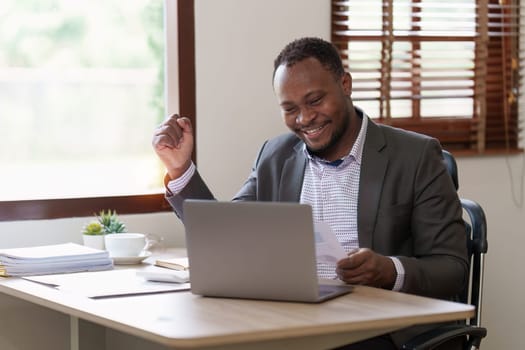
(81, 88)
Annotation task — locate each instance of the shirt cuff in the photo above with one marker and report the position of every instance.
(175, 186)
(400, 278)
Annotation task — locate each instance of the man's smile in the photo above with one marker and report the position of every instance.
(313, 132)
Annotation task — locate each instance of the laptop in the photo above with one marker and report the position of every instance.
(254, 250)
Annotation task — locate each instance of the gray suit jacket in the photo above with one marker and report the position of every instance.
(407, 207)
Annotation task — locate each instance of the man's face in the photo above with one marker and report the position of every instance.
(315, 106)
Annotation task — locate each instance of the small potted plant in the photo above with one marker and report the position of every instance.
(110, 222)
(106, 222)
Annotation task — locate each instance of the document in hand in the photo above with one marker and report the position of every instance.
(50, 259)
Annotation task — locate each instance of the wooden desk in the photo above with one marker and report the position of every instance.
(180, 320)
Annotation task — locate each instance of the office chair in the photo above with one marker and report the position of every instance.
(471, 330)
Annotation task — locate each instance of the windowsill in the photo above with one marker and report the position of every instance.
(74, 207)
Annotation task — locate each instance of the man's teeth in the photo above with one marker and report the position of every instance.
(312, 131)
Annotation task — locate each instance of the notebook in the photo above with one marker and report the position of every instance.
(254, 250)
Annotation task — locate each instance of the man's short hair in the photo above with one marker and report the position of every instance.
(300, 49)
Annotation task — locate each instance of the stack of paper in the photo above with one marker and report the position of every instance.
(50, 259)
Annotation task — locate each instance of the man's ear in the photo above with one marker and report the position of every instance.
(346, 82)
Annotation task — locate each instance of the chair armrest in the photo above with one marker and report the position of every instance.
(435, 337)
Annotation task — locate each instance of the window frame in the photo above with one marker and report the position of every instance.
(129, 204)
(497, 131)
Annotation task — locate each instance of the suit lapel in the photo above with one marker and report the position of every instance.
(373, 168)
(292, 176)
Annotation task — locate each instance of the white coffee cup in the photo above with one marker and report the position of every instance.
(125, 244)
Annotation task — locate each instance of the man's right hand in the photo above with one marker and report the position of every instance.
(173, 143)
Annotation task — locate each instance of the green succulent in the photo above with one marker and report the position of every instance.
(110, 222)
(115, 227)
(93, 228)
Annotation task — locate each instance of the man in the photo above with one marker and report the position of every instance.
(385, 192)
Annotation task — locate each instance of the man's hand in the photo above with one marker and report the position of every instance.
(173, 143)
(367, 268)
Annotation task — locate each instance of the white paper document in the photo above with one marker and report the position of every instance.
(327, 247)
(106, 283)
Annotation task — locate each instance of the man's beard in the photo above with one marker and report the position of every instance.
(334, 140)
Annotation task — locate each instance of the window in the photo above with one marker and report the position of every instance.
(448, 68)
(82, 88)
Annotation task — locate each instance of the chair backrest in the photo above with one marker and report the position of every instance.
(452, 167)
(477, 244)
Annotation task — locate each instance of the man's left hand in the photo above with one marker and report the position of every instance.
(367, 268)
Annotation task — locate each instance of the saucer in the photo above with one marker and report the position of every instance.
(130, 260)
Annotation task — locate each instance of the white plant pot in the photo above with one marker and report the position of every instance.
(94, 241)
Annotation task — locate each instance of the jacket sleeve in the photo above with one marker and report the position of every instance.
(195, 189)
(438, 266)
(248, 191)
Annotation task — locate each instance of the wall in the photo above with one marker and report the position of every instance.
(236, 42)
(236, 106)
(34, 232)
(488, 181)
